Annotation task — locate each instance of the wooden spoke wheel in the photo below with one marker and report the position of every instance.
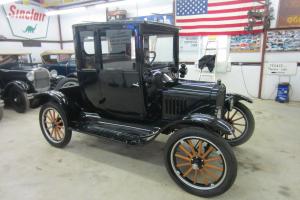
(200, 162)
(54, 125)
(241, 118)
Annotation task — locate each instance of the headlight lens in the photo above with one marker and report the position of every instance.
(53, 73)
(30, 76)
(219, 112)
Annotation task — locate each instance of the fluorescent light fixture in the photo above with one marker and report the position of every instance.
(120, 3)
(7, 1)
(65, 11)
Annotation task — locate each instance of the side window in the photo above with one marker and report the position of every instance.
(118, 50)
(88, 47)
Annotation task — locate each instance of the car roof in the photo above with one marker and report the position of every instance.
(19, 53)
(54, 52)
(126, 22)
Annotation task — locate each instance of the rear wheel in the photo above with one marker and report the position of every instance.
(54, 125)
(18, 100)
(242, 120)
(200, 162)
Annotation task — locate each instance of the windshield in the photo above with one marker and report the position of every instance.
(6, 61)
(158, 49)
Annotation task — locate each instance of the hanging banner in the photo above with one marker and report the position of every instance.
(289, 14)
(27, 21)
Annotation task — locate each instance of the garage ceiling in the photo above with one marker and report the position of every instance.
(58, 4)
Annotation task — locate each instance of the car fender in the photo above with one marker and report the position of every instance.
(18, 84)
(72, 75)
(201, 120)
(239, 97)
(51, 95)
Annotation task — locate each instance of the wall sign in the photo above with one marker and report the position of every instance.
(189, 44)
(27, 21)
(285, 69)
(289, 14)
(282, 41)
(245, 43)
(162, 18)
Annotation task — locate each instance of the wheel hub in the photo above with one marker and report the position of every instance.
(197, 163)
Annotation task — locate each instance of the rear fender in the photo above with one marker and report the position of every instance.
(239, 97)
(201, 120)
(16, 84)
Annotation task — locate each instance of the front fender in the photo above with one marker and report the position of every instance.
(239, 97)
(202, 120)
(51, 95)
(18, 84)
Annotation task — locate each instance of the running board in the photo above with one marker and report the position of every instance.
(91, 123)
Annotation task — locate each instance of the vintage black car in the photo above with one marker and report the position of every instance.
(62, 67)
(20, 80)
(129, 90)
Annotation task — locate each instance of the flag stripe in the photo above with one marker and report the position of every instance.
(219, 25)
(221, 33)
(225, 3)
(218, 29)
(234, 9)
(212, 19)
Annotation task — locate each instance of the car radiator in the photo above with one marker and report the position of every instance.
(41, 80)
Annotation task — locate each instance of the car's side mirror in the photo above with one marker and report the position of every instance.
(183, 70)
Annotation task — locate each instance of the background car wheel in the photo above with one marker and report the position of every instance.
(66, 82)
(241, 118)
(54, 125)
(18, 100)
(200, 162)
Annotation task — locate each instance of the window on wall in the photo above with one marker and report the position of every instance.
(118, 50)
(88, 46)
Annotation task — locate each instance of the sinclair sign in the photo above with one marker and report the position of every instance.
(27, 21)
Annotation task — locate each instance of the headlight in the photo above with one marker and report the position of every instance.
(219, 112)
(53, 73)
(30, 76)
(231, 104)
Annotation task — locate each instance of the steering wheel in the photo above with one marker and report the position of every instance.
(148, 57)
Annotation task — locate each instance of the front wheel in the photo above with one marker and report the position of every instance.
(54, 125)
(200, 162)
(242, 120)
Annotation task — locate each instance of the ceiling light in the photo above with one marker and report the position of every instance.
(65, 11)
(7, 1)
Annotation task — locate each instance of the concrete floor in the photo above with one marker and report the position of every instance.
(93, 168)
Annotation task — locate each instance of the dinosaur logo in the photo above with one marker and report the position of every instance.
(30, 29)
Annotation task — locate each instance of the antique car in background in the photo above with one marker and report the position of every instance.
(62, 67)
(20, 80)
(1, 106)
(130, 90)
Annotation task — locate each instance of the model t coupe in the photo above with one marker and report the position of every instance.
(130, 90)
(20, 80)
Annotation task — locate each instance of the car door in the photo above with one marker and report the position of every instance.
(108, 75)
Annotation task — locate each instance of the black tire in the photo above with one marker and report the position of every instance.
(62, 134)
(18, 100)
(227, 159)
(244, 127)
(66, 82)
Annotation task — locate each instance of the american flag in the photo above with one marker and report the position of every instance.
(216, 17)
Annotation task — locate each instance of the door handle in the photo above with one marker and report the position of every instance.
(135, 85)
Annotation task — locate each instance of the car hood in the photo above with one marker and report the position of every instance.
(196, 88)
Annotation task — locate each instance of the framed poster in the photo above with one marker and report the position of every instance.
(189, 44)
(245, 43)
(283, 41)
(288, 14)
(162, 18)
